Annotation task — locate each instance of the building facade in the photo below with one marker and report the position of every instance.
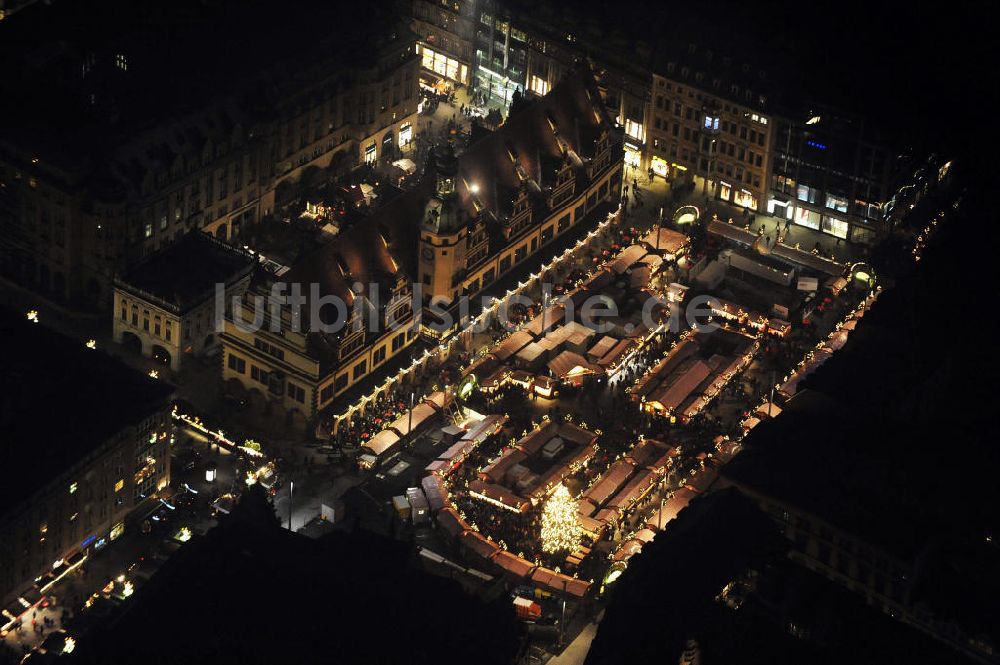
(687, 114)
(830, 176)
(552, 168)
(168, 307)
(445, 31)
(698, 117)
(86, 507)
(76, 212)
(501, 49)
(72, 483)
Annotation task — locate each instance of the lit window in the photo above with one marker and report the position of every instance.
(539, 85)
(635, 130)
(72, 488)
(119, 485)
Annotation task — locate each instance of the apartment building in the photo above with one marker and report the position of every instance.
(108, 157)
(445, 30)
(78, 466)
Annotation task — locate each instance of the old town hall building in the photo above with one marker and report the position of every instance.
(554, 168)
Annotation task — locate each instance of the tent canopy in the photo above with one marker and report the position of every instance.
(382, 442)
(569, 364)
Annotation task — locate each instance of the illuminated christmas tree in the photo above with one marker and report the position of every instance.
(560, 522)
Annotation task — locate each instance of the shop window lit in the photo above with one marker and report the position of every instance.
(836, 202)
(807, 218)
(746, 199)
(117, 530)
(539, 86)
(806, 193)
(370, 154)
(835, 227)
(635, 130)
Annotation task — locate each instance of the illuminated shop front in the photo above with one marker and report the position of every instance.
(779, 208)
(633, 155)
(441, 64)
(539, 86)
(405, 133)
(370, 153)
(659, 166)
(635, 130)
(498, 86)
(807, 218)
(725, 190)
(745, 198)
(835, 227)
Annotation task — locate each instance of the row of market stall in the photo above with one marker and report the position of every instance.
(693, 373)
(515, 568)
(412, 421)
(554, 344)
(463, 443)
(695, 484)
(624, 485)
(825, 349)
(529, 470)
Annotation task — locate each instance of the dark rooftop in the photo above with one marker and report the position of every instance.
(185, 273)
(669, 586)
(58, 401)
(250, 592)
(893, 440)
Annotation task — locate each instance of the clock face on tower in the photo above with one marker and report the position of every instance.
(428, 254)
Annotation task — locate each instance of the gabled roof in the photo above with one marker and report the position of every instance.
(531, 142)
(373, 250)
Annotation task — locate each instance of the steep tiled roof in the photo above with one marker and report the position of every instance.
(563, 125)
(533, 143)
(371, 251)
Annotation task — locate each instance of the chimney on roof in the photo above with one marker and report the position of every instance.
(538, 166)
(576, 132)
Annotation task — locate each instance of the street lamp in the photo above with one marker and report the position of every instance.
(291, 493)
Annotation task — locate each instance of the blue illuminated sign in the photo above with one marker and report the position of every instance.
(821, 146)
(87, 542)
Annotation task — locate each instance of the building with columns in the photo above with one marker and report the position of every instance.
(168, 306)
